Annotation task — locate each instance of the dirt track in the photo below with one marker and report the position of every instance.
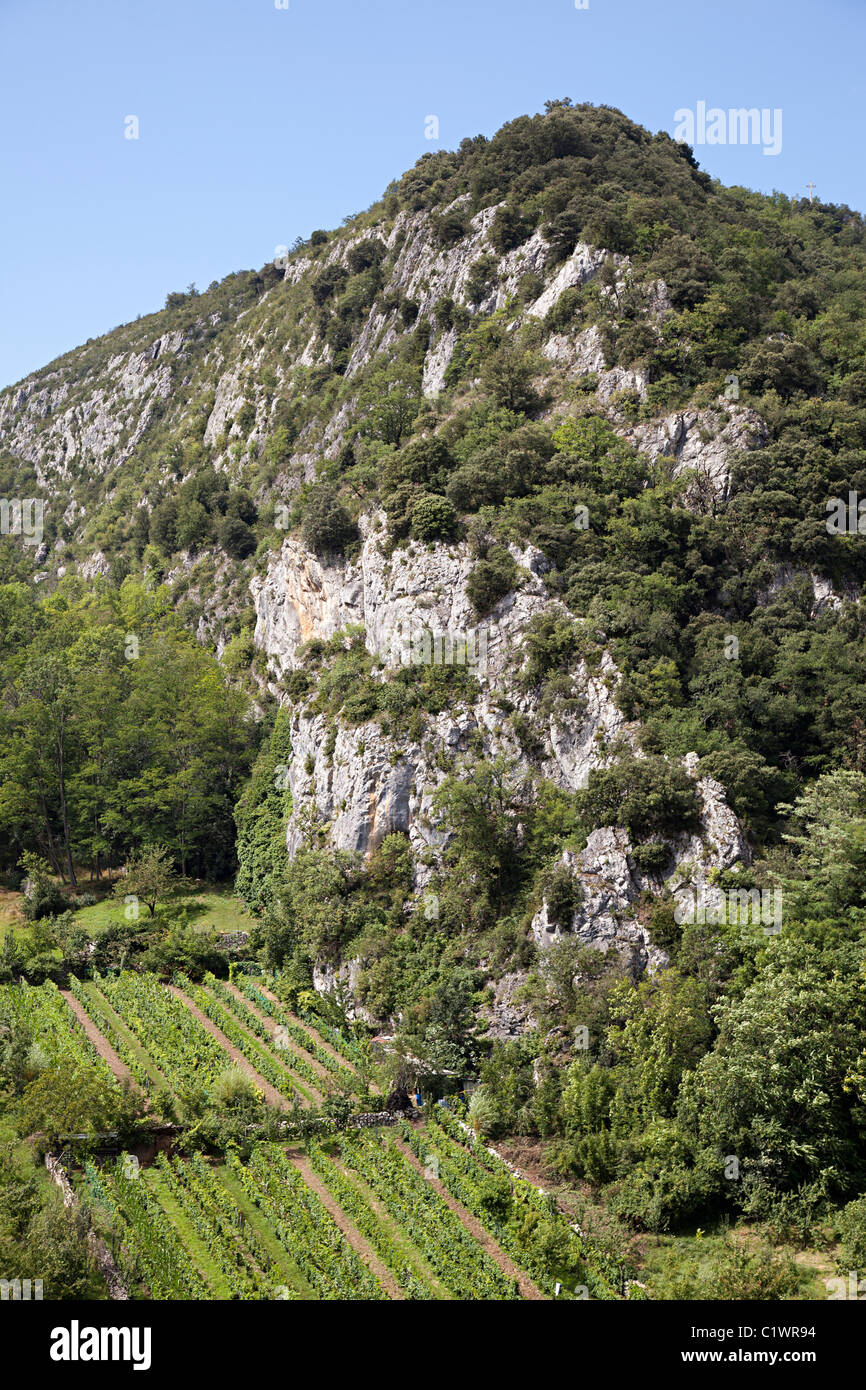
(102, 1045)
(474, 1227)
(350, 1231)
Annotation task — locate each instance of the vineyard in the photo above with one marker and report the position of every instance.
(352, 1219)
(188, 1034)
(417, 1212)
(58, 1034)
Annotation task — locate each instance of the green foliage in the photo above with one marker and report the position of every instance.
(42, 1239)
(492, 578)
(775, 1095)
(327, 527)
(66, 1101)
(433, 518)
(236, 537)
(261, 814)
(118, 729)
(744, 1046)
(646, 796)
(852, 1228)
(149, 875)
(43, 897)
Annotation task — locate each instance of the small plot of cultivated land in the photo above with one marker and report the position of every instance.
(412, 1256)
(289, 1046)
(314, 1035)
(125, 1033)
(293, 1276)
(196, 1248)
(350, 1231)
(308, 1094)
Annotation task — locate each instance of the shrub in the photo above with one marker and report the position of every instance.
(651, 857)
(193, 524)
(44, 897)
(759, 1275)
(479, 281)
(562, 894)
(451, 226)
(329, 283)
(366, 254)
(246, 417)
(232, 1087)
(491, 579)
(163, 526)
(507, 374)
(852, 1228)
(433, 518)
(298, 684)
(646, 796)
(239, 653)
(236, 537)
(509, 228)
(483, 1113)
(327, 527)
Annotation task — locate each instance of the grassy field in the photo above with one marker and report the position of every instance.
(11, 915)
(207, 905)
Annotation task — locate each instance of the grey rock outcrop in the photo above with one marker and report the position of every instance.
(704, 440)
(610, 881)
(366, 784)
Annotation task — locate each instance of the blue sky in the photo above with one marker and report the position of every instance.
(258, 124)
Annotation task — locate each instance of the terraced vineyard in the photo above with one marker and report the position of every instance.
(174, 1036)
(417, 1213)
(57, 1031)
(353, 1220)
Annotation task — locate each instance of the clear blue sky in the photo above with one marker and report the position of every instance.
(259, 124)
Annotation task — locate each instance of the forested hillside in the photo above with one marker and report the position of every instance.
(464, 588)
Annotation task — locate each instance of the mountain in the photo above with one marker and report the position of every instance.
(506, 506)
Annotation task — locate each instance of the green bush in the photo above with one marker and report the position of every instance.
(852, 1229)
(651, 857)
(236, 538)
(433, 518)
(491, 579)
(327, 527)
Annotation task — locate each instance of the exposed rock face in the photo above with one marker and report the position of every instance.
(88, 414)
(97, 564)
(582, 265)
(343, 981)
(583, 353)
(361, 784)
(367, 784)
(102, 426)
(610, 881)
(508, 1016)
(704, 440)
(824, 595)
(417, 588)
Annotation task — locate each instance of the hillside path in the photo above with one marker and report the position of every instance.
(100, 1042)
(475, 1228)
